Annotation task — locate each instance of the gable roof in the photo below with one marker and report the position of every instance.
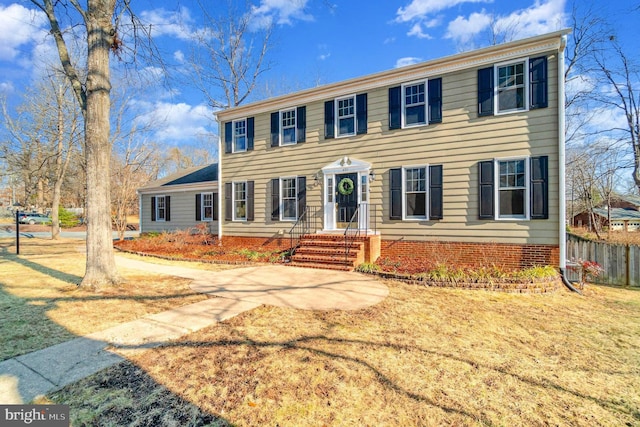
(618, 214)
(196, 177)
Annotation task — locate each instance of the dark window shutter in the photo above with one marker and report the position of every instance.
(301, 124)
(215, 206)
(275, 199)
(485, 92)
(435, 100)
(486, 194)
(361, 114)
(538, 82)
(167, 207)
(198, 207)
(275, 129)
(228, 137)
(228, 202)
(395, 107)
(329, 120)
(153, 208)
(540, 187)
(250, 195)
(435, 192)
(250, 134)
(302, 194)
(395, 181)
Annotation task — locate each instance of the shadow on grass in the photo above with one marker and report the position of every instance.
(304, 344)
(125, 394)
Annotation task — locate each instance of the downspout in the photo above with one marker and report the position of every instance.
(562, 232)
(220, 186)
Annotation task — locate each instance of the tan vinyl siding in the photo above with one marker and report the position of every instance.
(182, 213)
(458, 143)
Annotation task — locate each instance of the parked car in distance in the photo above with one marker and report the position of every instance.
(34, 218)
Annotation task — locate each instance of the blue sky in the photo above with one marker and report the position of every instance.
(315, 42)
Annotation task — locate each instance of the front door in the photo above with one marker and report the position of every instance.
(346, 199)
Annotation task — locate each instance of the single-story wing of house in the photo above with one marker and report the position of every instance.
(621, 219)
(183, 200)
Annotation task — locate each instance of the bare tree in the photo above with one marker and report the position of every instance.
(229, 57)
(91, 85)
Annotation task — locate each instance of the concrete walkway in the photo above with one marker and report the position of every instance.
(234, 291)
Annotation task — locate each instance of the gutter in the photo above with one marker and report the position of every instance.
(562, 230)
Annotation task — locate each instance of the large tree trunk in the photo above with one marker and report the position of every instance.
(101, 267)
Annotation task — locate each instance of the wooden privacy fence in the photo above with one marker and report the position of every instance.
(621, 263)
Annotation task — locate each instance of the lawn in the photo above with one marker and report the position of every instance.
(41, 305)
(424, 356)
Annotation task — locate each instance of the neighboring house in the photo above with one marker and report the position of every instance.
(182, 200)
(460, 159)
(624, 215)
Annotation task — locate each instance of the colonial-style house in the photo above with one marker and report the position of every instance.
(459, 159)
(179, 201)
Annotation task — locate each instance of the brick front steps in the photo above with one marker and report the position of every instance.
(328, 251)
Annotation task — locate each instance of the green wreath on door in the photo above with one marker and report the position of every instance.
(345, 186)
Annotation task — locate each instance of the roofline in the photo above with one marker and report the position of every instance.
(179, 188)
(476, 58)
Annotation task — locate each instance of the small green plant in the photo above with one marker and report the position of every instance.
(367, 267)
(249, 254)
(67, 219)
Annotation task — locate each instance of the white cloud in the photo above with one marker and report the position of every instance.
(169, 23)
(178, 55)
(409, 60)
(539, 18)
(416, 31)
(464, 29)
(20, 26)
(279, 11)
(176, 122)
(6, 88)
(420, 9)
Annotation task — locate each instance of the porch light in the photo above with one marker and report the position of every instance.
(372, 175)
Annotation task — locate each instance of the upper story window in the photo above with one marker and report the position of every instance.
(238, 135)
(345, 116)
(415, 104)
(288, 126)
(512, 87)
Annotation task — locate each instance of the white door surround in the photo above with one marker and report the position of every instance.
(345, 165)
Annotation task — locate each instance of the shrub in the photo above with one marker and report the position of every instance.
(367, 267)
(67, 219)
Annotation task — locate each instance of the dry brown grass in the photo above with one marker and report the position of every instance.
(423, 356)
(40, 304)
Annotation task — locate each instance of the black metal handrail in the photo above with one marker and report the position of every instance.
(356, 234)
(299, 229)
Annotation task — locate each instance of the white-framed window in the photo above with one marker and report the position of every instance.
(414, 104)
(239, 135)
(330, 190)
(288, 127)
(512, 86)
(288, 199)
(346, 116)
(364, 184)
(207, 206)
(512, 198)
(240, 201)
(414, 190)
(161, 208)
